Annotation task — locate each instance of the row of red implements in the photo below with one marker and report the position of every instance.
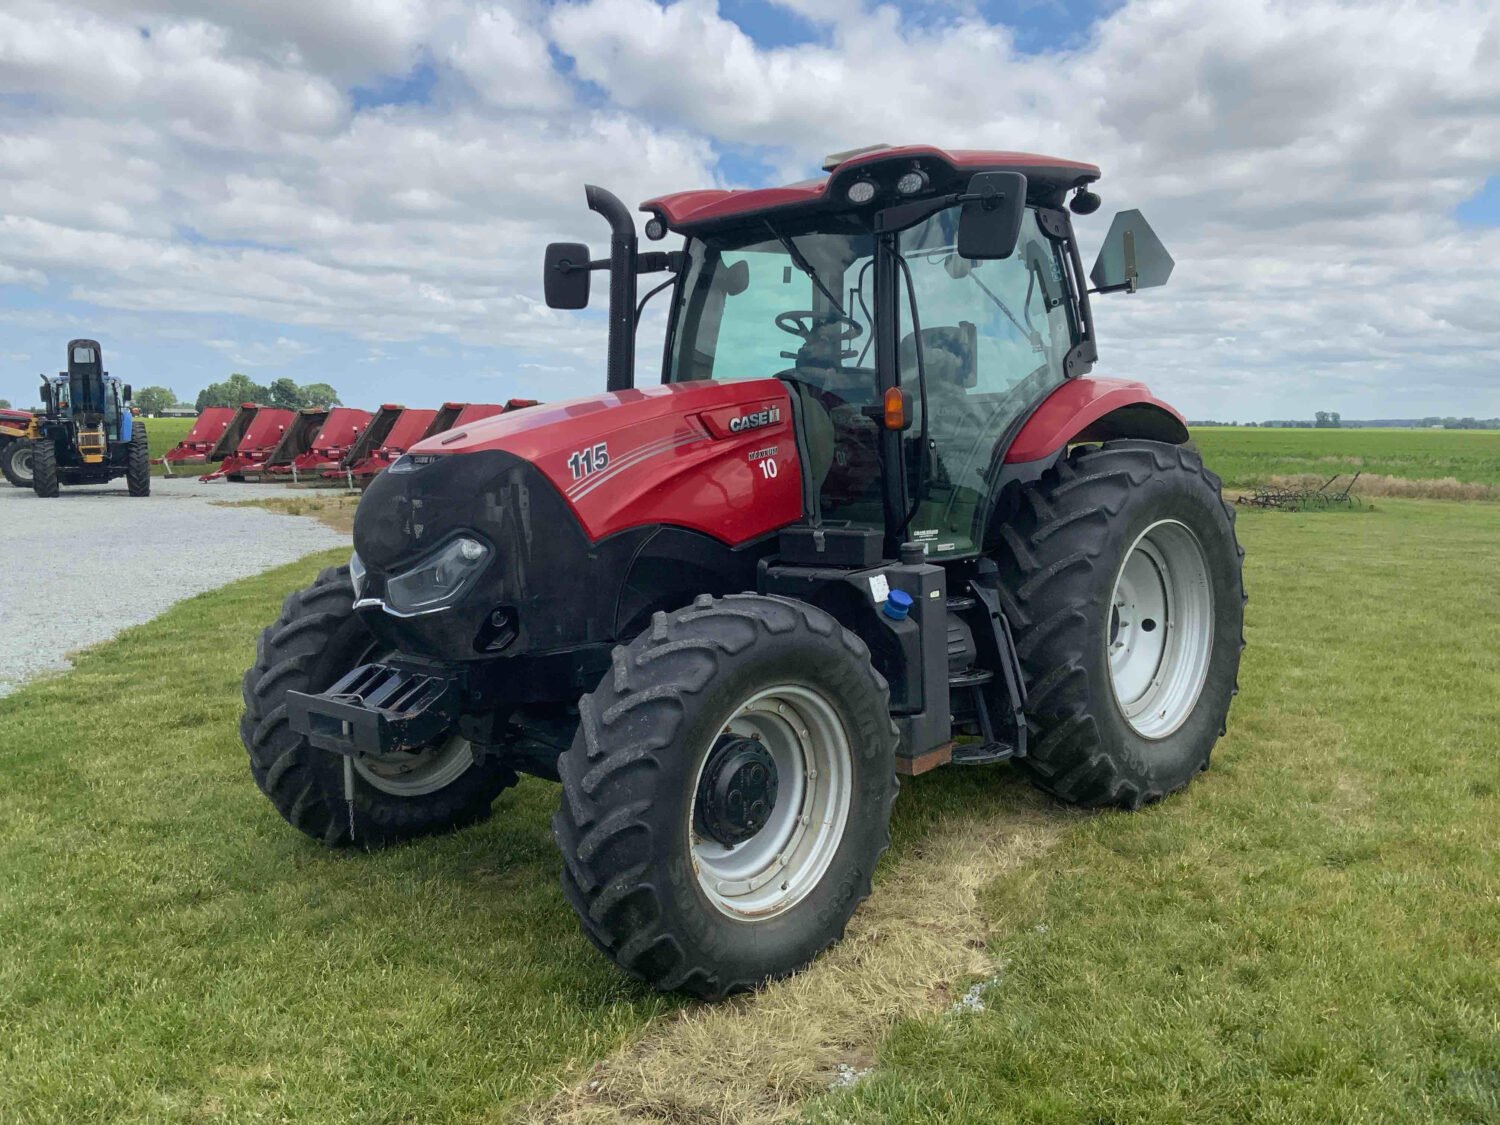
(339, 444)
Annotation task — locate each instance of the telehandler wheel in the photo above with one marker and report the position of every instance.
(44, 468)
(138, 468)
(1120, 575)
(317, 639)
(15, 462)
(728, 794)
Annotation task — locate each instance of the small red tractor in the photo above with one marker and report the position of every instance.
(876, 516)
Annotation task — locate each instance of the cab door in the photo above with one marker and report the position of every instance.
(994, 337)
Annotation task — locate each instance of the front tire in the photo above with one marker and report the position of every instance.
(315, 642)
(15, 462)
(138, 467)
(44, 468)
(728, 794)
(1121, 579)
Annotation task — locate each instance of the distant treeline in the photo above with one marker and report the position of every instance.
(1330, 420)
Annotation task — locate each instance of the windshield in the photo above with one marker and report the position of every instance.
(994, 336)
(774, 306)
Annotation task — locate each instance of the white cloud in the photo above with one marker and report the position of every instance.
(1301, 160)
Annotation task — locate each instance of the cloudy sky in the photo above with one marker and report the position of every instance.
(359, 191)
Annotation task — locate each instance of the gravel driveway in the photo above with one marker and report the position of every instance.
(78, 569)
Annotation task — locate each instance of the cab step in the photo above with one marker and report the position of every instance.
(981, 753)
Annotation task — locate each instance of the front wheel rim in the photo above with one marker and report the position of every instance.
(21, 463)
(416, 773)
(769, 873)
(1161, 628)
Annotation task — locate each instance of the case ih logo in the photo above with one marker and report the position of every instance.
(767, 417)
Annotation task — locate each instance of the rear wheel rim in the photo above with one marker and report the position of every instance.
(21, 462)
(1160, 635)
(769, 873)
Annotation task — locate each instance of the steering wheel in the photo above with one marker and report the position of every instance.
(805, 324)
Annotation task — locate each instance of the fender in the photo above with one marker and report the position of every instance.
(1095, 410)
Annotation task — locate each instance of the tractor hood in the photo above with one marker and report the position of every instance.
(589, 510)
(718, 458)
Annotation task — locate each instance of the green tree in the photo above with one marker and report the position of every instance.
(233, 391)
(285, 394)
(153, 400)
(5, 404)
(319, 394)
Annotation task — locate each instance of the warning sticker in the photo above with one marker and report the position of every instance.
(880, 589)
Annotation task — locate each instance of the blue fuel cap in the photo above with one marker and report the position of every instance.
(897, 605)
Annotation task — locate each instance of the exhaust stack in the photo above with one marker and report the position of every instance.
(622, 287)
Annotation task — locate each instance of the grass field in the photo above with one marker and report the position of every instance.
(1243, 456)
(163, 434)
(1310, 933)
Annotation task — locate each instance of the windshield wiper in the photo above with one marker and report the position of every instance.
(802, 264)
(1032, 335)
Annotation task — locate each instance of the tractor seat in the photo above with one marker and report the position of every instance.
(950, 355)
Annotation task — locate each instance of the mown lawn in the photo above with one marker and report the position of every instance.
(1244, 455)
(1310, 933)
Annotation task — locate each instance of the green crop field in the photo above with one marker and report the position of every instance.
(1309, 933)
(1242, 455)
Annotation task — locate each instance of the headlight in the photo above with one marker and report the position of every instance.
(438, 580)
(357, 575)
(860, 191)
(913, 182)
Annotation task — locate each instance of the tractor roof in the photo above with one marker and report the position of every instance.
(1047, 177)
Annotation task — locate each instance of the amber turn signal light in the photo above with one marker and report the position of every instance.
(897, 409)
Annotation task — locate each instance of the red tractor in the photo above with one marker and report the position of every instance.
(874, 517)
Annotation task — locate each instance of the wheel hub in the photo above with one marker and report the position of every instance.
(736, 791)
(1160, 629)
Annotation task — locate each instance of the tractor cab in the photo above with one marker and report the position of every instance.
(918, 304)
(88, 395)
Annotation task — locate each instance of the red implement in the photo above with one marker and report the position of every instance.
(208, 427)
(456, 414)
(296, 440)
(341, 430)
(261, 432)
(391, 433)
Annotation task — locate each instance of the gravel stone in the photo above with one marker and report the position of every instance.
(79, 568)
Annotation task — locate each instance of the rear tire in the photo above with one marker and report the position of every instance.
(44, 468)
(1122, 712)
(15, 462)
(318, 639)
(655, 886)
(138, 467)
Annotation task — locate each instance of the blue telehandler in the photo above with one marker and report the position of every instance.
(87, 432)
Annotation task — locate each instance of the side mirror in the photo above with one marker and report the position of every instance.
(565, 276)
(1131, 258)
(126, 392)
(990, 223)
